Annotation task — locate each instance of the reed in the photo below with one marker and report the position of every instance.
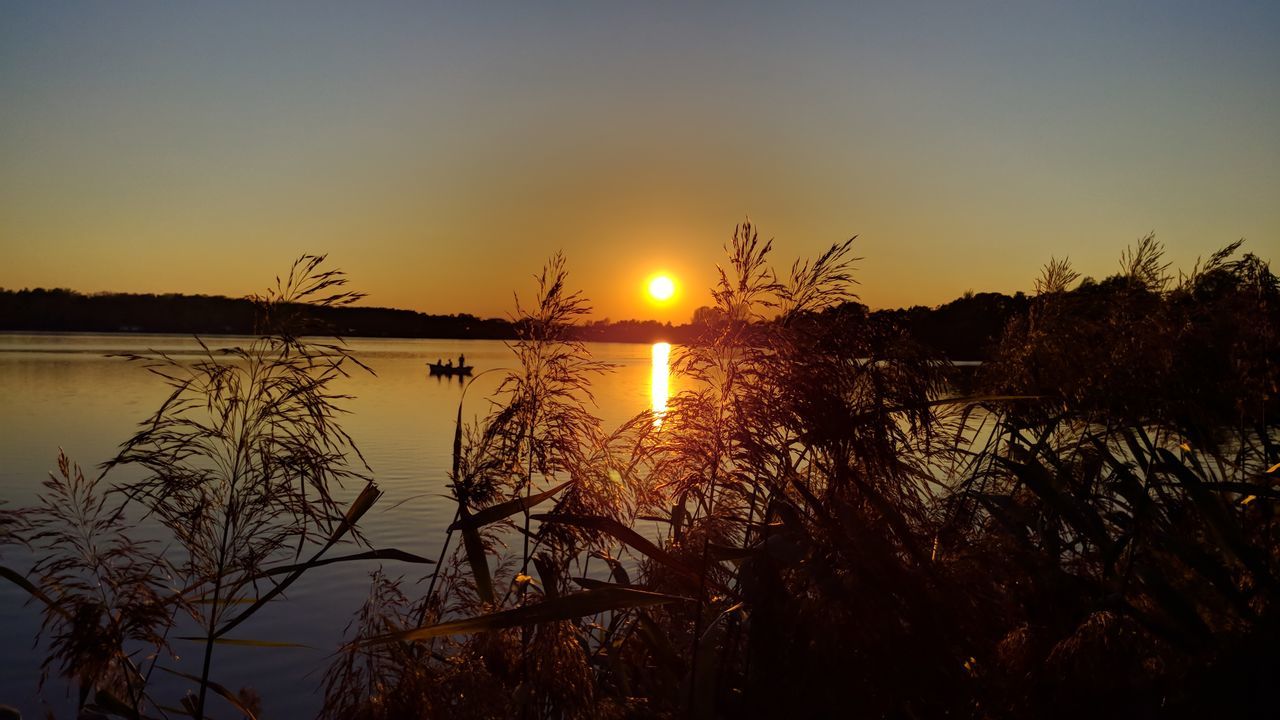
(843, 537)
(239, 465)
(838, 533)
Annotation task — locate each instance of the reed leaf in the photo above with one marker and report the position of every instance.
(623, 534)
(1223, 526)
(246, 642)
(35, 592)
(504, 510)
(380, 554)
(565, 607)
(363, 502)
(218, 688)
(476, 557)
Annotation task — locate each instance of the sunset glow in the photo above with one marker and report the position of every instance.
(136, 139)
(963, 320)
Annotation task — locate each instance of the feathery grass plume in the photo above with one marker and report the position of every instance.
(105, 595)
(540, 445)
(241, 460)
(376, 680)
(834, 539)
(1144, 265)
(10, 521)
(540, 434)
(239, 464)
(1116, 529)
(1056, 276)
(799, 426)
(819, 526)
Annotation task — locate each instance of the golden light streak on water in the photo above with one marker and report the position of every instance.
(658, 383)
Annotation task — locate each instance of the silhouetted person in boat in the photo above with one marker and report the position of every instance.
(439, 362)
(449, 363)
(462, 360)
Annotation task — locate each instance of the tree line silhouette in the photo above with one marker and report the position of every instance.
(963, 329)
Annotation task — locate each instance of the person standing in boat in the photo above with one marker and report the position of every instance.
(462, 360)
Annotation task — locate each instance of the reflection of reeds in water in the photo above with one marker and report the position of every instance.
(659, 381)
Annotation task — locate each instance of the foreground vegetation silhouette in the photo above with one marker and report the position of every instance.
(239, 466)
(1091, 531)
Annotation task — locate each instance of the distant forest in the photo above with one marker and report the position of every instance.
(964, 329)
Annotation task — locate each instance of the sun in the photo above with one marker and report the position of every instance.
(661, 288)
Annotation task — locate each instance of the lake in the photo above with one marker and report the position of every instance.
(61, 391)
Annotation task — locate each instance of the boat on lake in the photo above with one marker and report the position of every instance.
(449, 369)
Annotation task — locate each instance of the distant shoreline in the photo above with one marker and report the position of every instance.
(345, 336)
(964, 329)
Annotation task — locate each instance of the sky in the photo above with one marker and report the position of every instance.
(440, 154)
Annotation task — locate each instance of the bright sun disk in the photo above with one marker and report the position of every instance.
(661, 288)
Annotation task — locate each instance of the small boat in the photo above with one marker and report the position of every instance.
(450, 370)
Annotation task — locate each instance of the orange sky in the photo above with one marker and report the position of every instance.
(440, 158)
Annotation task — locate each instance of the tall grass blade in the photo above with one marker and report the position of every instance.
(218, 688)
(625, 535)
(363, 502)
(504, 510)
(246, 642)
(476, 557)
(35, 592)
(381, 554)
(565, 607)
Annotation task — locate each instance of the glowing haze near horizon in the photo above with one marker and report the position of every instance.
(439, 155)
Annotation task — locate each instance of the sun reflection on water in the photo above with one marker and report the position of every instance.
(658, 384)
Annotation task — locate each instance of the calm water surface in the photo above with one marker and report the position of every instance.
(60, 391)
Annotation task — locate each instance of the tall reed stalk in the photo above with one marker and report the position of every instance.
(818, 526)
(239, 465)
